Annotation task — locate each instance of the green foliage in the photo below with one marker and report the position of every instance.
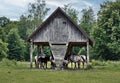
(3, 49)
(15, 45)
(82, 51)
(106, 34)
(9, 63)
(27, 52)
(4, 21)
(87, 21)
(23, 26)
(73, 13)
(9, 26)
(37, 12)
(2, 34)
(98, 63)
(113, 65)
(16, 32)
(78, 50)
(75, 50)
(47, 51)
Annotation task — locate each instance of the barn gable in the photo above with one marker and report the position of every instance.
(59, 28)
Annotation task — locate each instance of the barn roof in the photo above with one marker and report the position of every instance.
(57, 11)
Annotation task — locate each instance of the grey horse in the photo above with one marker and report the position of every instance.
(77, 59)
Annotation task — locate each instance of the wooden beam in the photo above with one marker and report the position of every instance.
(88, 54)
(31, 53)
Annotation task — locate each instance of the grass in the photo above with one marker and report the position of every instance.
(19, 72)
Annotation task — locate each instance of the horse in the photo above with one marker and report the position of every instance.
(42, 61)
(53, 65)
(83, 60)
(77, 59)
(65, 64)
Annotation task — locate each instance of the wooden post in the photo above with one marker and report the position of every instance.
(31, 53)
(37, 64)
(42, 50)
(42, 53)
(88, 63)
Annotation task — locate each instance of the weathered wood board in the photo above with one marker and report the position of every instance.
(58, 52)
(59, 30)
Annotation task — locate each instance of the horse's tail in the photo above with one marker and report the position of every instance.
(83, 58)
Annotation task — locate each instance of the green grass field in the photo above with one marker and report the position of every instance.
(102, 72)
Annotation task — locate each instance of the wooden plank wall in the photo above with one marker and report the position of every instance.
(59, 30)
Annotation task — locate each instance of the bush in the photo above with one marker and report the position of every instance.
(10, 63)
(98, 63)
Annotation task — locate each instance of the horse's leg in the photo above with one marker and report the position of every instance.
(51, 65)
(66, 64)
(83, 64)
(46, 65)
(42, 65)
(75, 65)
(78, 65)
(35, 64)
(71, 65)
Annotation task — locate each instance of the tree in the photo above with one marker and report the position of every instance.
(3, 44)
(15, 46)
(4, 21)
(9, 26)
(47, 51)
(37, 12)
(27, 52)
(2, 34)
(82, 51)
(87, 20)
(23, 27)
(107, 33)
(3, 49)
(73, 13)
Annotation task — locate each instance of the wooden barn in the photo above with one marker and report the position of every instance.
(60, 33)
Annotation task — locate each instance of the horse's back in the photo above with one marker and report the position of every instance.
(75, 58)
(83, 57)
